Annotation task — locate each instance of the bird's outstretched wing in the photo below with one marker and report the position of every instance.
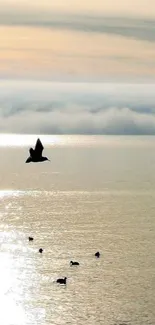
(38, 148)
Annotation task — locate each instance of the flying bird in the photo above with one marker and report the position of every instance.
(36, 153)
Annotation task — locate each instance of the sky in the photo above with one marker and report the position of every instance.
(77, 40)
(95, 44)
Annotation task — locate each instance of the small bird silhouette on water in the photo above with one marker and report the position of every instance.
(30, 238)
(62, 281)
(74, 263)
(40, 250)
(97, 254)
(36, 153)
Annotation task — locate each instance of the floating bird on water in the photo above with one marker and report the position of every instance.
(62, 281)
(30, 238)
(40, 250)
(74, 263)
(97, 254)
(36, 153)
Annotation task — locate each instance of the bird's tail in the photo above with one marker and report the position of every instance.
(28, 160)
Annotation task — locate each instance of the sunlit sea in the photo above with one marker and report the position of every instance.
(96, 194)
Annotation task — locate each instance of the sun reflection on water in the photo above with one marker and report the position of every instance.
(22, 140)
(11, 312)
(19, 140)
(6, 193)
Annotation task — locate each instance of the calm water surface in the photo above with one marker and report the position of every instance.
(98, 193)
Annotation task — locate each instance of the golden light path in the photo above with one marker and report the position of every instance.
(20, 140)
(76, 140)
(11, 312)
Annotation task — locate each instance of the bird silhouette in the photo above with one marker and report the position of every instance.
(97, 254)
(36, 153)
(30, 238)
(74, 263)
(40, 250)
(62, 281)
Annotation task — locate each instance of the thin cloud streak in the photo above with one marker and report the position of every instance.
(136, 28)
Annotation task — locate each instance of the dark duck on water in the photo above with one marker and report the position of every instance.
(74, 263)
(36, 153)
(62, 281)
(30, 238)
(97, 254)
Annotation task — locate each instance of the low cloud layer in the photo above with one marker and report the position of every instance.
(80, 121)
(77, 108)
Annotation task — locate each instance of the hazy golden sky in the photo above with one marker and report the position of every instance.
(77, 40)
(135, 7)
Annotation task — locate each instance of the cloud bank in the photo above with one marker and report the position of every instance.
(48, 108)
